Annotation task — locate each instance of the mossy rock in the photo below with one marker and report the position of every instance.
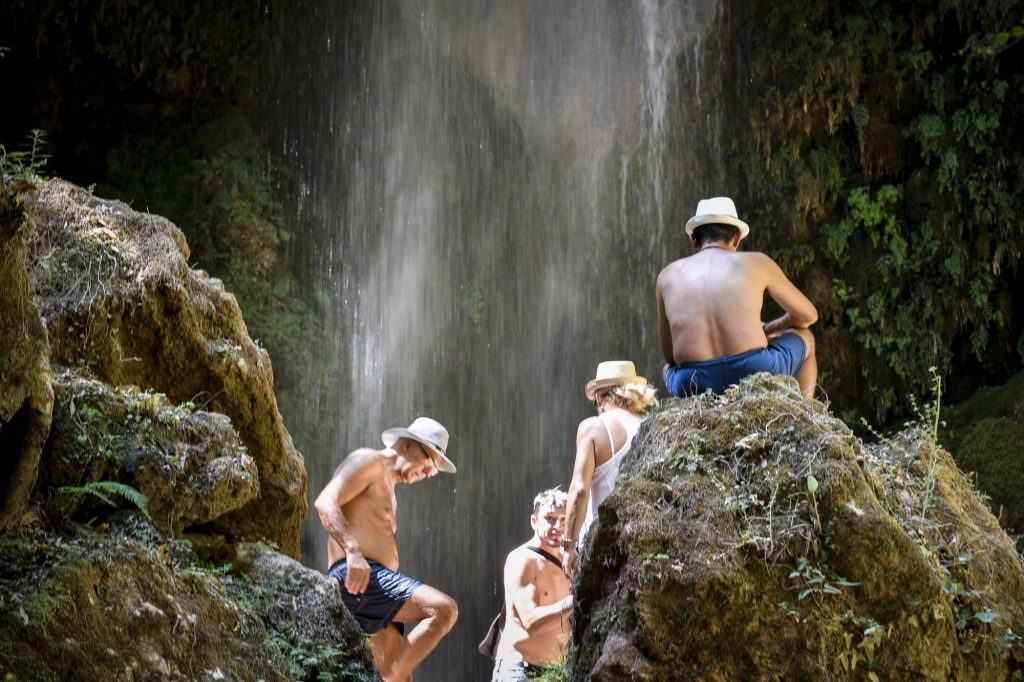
(984, 433)
(25, 396)
(189, 464)
(118, 296)
(123, 602)
(754, 536)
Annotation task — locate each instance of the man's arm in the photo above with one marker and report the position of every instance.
(353, 477)
(521, 583)
(664, 329)
(799, 311)
(579, 487)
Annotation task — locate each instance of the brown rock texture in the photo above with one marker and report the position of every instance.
(754, 536)
(25, 396)
(119, 298)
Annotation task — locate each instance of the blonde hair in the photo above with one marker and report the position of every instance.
(632, 397)
(554, 498)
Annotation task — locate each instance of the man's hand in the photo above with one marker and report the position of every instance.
(358, 575)
(571, 560)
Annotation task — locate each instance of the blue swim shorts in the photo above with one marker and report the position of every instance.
(784, 355)
(385, 594)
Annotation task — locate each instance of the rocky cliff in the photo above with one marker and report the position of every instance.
(152, 495)
(754, 536)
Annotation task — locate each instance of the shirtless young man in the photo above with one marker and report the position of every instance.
(538, 599)
(709, 311)
(357, 508)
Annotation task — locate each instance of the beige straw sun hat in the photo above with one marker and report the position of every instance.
(613, 373)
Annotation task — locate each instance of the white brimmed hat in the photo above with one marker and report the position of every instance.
(613, 373)
(717, 210)
(428, 432)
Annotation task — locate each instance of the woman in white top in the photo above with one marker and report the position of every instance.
(621, 397)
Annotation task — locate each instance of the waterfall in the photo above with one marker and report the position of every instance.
(487, 192)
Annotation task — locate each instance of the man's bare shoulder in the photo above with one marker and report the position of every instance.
(671, 267)
(360, 460)
(521, 559)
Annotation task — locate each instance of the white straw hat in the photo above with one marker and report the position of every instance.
(613, 373)
(428, 432)
(717, 210)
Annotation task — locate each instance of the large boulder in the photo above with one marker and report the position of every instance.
(118, 296)
(165, 452)
(121, 603)
(754, 536)
(188, 464)
(985, 434)
(25, 396)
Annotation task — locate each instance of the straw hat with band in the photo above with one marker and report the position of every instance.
(718, 211)
(427, 432)
(613, 373)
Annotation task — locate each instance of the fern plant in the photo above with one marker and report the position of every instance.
(104, 489)
(27, 162)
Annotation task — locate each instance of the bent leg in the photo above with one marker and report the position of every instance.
(436, 613)
(807, 377)
(385, 646)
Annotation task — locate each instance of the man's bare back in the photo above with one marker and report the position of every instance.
(709, 311)
(712, 303)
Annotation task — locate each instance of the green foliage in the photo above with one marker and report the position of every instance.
(103, 491)
(306, 659)
(209, 173)
(556, 672)
(916, 504)
(885, 143)
(25, 163)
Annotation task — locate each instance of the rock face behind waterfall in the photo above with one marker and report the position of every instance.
(754, 536)
(143, 454)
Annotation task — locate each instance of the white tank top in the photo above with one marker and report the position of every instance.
(603, 479)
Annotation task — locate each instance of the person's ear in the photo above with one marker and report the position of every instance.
(736, 240)
(693, 240)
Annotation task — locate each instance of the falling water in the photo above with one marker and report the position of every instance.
(487, 192)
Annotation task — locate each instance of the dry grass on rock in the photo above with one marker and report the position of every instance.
(754, 536)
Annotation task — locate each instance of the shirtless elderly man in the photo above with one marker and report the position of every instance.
(709, 311)
(357, 508)
(538, 599)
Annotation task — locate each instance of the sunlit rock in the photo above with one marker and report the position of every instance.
(119, 297)
(25, 395)
(754, 536)
(189, 464)
(115, 603)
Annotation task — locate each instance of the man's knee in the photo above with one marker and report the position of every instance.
(808, 339)
(447, 612)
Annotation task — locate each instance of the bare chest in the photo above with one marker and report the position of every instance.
(375, 507)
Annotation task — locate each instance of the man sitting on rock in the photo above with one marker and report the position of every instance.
(709, 311)
(357, 508)
(538, 597)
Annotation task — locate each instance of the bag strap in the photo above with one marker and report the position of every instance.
(550, 557)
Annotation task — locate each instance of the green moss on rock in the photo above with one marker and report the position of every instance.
(985, 434)
(753, 536)
(126, 602)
